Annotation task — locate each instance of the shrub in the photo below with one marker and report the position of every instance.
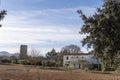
(14, 61)
(5, 61)
(24, 62)
(85, 69)
(51, 63)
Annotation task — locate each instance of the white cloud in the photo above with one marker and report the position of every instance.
(37, 35)
(38, 27)
(11, 50)
(24, 18)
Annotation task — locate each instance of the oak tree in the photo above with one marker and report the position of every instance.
(102, 32)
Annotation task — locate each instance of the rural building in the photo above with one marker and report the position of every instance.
(74, 60)
(23, 51)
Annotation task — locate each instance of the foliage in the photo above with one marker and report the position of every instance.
(70, 49)
(2, 15)
(24, 62)
(51, 63)
(35, 61)
(5, 61)
(52, 58)
(83, 64)
(67, 67)
(44, 63)
(102, 32)
(35, 58)
(58, 63)
(52, 55)
(14, 59)
(118, 70)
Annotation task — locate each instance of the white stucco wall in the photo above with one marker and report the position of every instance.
(74, 59)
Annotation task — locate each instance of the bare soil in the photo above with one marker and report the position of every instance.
(20, 72)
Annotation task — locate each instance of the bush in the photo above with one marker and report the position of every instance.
(67, 66)
(51, 63)
(5, 61)
(118, 70)
(96, 67)
(24, 62)
(85, 69)
(14, 61)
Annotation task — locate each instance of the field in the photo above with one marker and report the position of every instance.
(20, 72)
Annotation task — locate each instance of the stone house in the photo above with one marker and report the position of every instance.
(73, 60)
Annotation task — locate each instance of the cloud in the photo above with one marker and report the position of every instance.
(85, 50)
(11, 50)
(47, 16)
(37, 35)
(42, 28)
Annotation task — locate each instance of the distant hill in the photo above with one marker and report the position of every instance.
(5, 53)
(16, 55)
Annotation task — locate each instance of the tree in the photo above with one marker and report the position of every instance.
(71, 49)
(103, 32)
(2, 15)
(52, 58)
(52, 55)
(35, 58)
(14, 59)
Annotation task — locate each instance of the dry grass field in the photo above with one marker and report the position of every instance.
(19, 72)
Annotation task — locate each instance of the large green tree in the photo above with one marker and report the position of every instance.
(52, 55)
(102, 32)
(52, 58)
(2, 15)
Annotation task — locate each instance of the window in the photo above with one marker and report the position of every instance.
(82, 57)
(67, 57)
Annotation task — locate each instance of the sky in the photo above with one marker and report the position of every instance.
(43, 24)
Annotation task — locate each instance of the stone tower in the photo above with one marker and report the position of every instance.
(23, 51)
